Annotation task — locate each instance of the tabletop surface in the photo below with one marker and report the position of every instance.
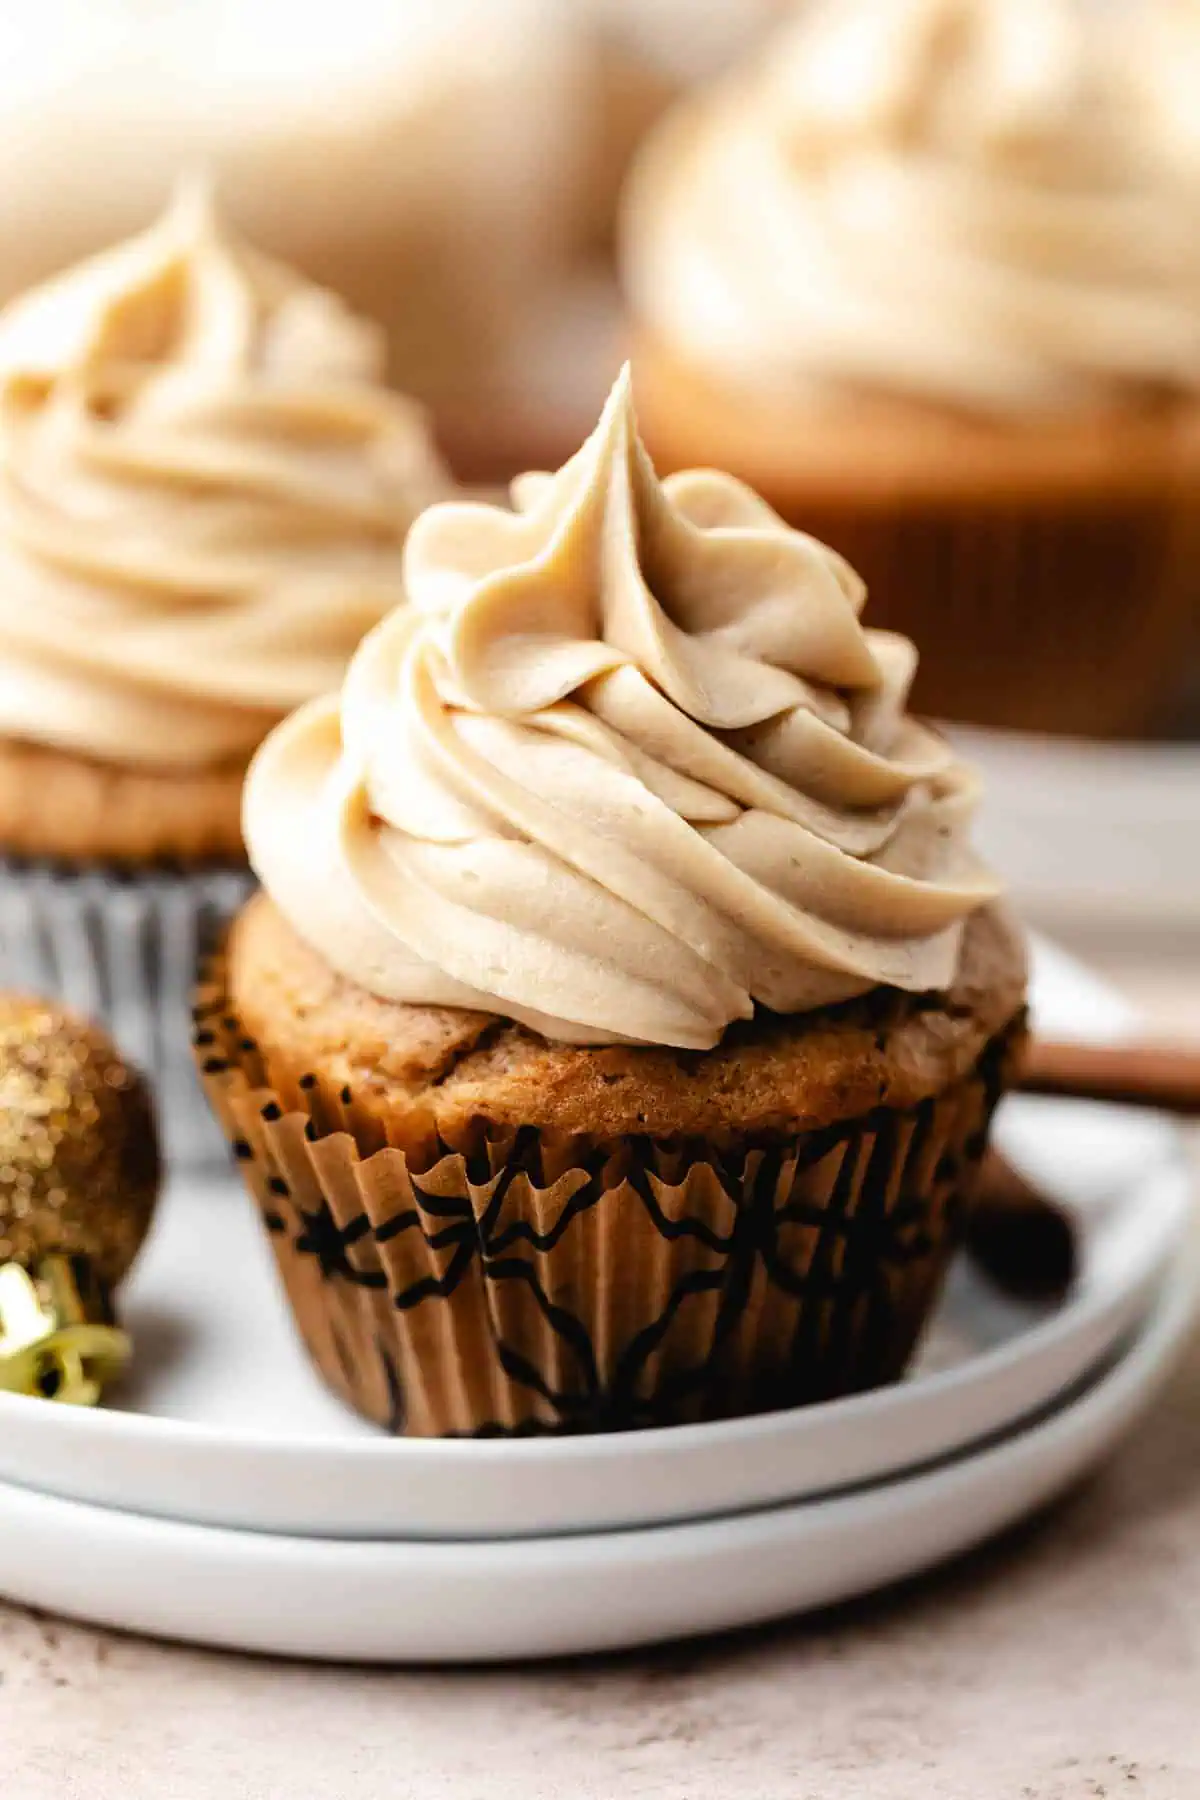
(1062, 1663)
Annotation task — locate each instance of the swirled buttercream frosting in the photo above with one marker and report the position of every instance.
(982, 203)
(204, 492)
(626, 765)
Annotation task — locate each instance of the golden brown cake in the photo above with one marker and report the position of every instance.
(617, 1036)
(922, 277)
(416, 1069)
(68, 807)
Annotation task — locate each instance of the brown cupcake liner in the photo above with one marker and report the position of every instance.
(1060, 616)
(520, 1283)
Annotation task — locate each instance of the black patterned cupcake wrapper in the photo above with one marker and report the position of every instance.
(527, 1284)
(123, 949)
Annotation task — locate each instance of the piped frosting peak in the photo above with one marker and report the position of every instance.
(626, 765)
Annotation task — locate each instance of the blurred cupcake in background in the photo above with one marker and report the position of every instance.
(204, 492)
(926, 275)
(419, 157)
(643, 54)
(632, 60)
(1161, 50)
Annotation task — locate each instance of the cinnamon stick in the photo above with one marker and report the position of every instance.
(1165, 1076)
(1024, 1241)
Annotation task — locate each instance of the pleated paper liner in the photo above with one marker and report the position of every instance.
(123, 947)
(519, 1283)
(1072, 617)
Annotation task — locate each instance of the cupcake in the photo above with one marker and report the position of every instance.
(926, 278)
(204, 491)
(616, 1034)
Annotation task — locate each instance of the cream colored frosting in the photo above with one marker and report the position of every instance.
(1160, 49)
(204, 492)
(968, 200)
(686, 43)
(626, 764)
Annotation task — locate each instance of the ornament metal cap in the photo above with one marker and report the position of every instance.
(59, 1339)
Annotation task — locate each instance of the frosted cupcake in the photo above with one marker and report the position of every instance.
(204, 491)
(616, 1036)
(926, 277)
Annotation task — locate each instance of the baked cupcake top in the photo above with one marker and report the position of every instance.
(626, 764)
(982, 203)
(204, 491)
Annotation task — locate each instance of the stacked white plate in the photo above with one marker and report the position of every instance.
(226, 1499)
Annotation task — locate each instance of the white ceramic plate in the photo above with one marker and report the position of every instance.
(450, 1602)
(225, 1423)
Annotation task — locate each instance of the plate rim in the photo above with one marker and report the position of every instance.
(1071, 1439)
(101, 1421)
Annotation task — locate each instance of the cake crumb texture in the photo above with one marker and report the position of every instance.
(454, 1069)
(59, 805)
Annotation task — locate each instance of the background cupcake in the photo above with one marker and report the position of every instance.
(619, 1029)
(926, 277)
(420, 159)
(204, 490)
(642, 55)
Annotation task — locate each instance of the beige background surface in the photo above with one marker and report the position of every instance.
(1061, 1664)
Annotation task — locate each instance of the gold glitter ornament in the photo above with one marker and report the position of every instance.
(79, 1176)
